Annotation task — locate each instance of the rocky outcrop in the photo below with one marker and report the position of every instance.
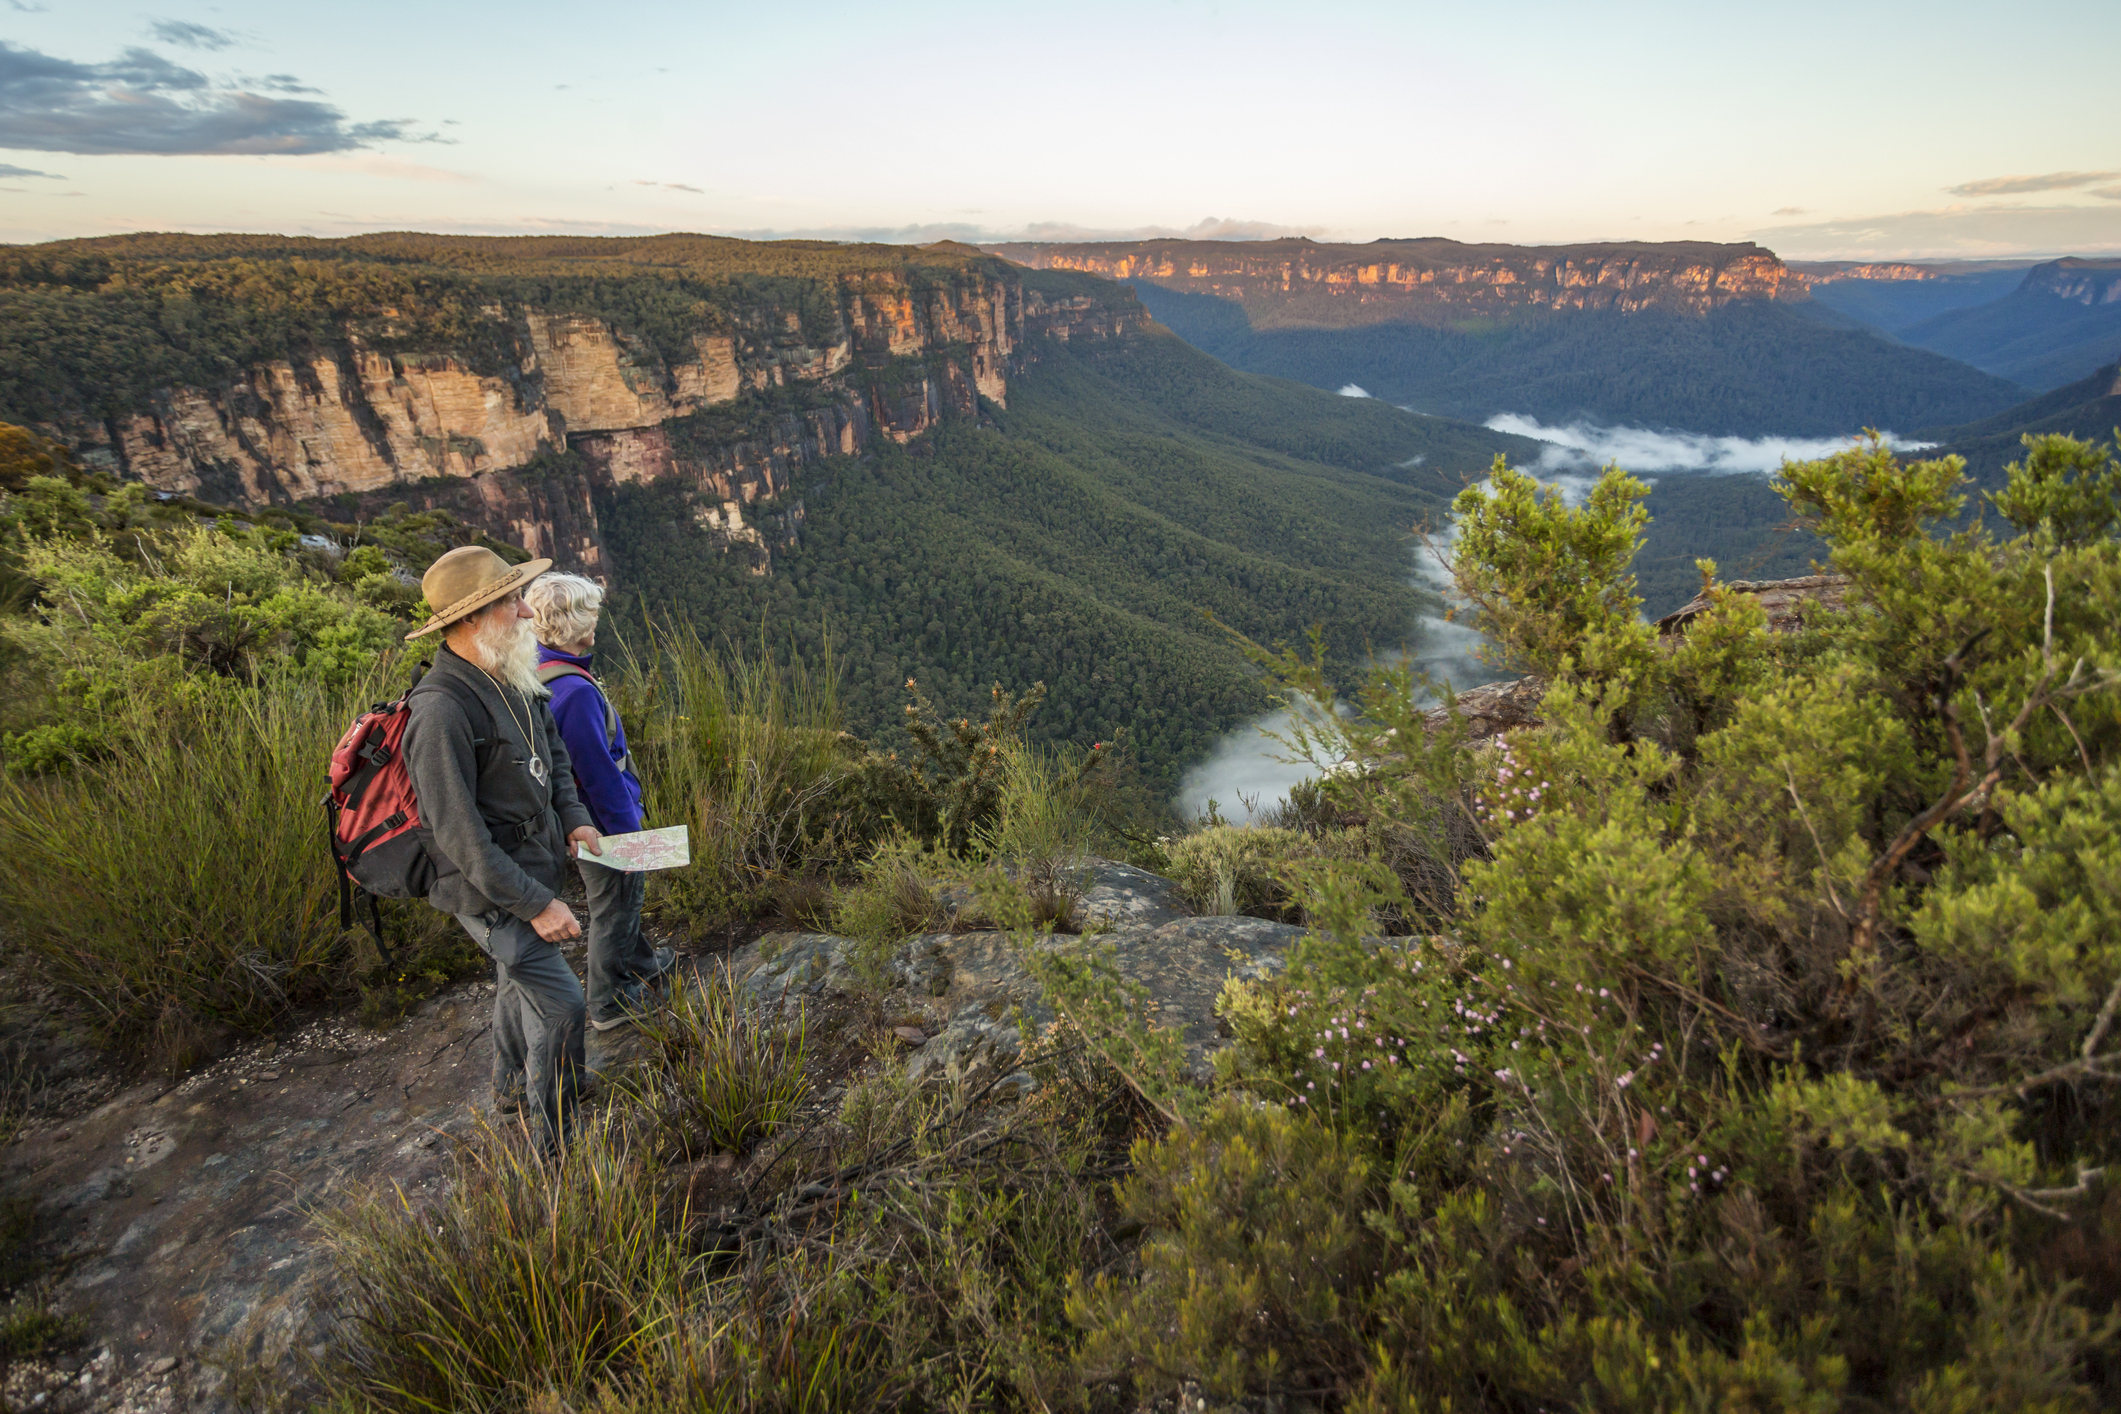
(1817, 273)
(2086, 282)
(289, 431)
(180, 1214)
(1302, 282)
(557, 406)
(975, 989)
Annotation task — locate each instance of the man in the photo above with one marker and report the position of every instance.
(622, 964)
(499, 814)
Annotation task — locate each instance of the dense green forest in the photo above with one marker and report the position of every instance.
(1080, 538)
(1748, 369)
(1737, 520)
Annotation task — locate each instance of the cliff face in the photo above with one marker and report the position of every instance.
(521, 444)
(1291, 283)
(2085, 282)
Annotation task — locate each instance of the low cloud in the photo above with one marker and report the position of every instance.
(1790, 211)
(1579, 447)
(141, 103)
(187, 35)
(1211, 228)
(7, 171)
(1954, 233)
(670, 186)
(2106, 193)
(1354, 390)
(2016, 186)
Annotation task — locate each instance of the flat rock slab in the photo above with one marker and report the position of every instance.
(1123, 896)
(181, 1212)
(974, 984)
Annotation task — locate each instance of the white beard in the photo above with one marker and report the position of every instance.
(507, 648)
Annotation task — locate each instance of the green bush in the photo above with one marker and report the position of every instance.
(528, 1277)
(891, 899)
(1044, 828)
(1759, 1055)
(1227, 869)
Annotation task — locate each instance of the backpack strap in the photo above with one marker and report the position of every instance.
(509, 835)
(549, 673)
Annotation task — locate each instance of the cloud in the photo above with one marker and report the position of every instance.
(7, 171)
(21, 8)
(670, 186)
(2106, 193)
(1354, 390)
(1953, 233)
(1586, 446)
(1212, 228)
(1790, 211)
(2013, 186)
(142, 103)
(187, 35)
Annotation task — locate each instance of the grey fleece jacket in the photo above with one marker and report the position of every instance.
(461, 806)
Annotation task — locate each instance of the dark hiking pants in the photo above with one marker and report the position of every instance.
(621, 959)
(537, 1022)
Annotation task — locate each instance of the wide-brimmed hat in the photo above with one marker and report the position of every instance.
(466, 580)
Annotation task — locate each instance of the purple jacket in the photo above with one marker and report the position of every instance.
(613, 795)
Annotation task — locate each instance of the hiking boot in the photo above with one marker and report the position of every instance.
(666, 961)
(631, 1003)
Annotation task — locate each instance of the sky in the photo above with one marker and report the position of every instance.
(1850, 130)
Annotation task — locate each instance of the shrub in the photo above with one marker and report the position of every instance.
(1043, 829)
(528, 1277)
(1759, 1055)
(1226, 869)
(890, 901)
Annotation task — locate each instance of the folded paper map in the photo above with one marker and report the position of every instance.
(649, 849)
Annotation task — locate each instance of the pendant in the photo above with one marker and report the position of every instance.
(537, 768)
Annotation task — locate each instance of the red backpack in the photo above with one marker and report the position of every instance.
(375, 819)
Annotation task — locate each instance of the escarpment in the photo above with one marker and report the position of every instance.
(1303, 282)
(517, 403)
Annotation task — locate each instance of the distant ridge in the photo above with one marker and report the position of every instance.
(2061, 322)
(2089, 408)
(1716, 338)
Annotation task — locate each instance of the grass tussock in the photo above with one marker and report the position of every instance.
(182, 886)
(728, 1072)
(747, 753)
(911, 1250)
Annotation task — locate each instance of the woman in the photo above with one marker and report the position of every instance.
(622, 966)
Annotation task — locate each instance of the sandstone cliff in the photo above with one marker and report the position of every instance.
(1302, 282)
(520, 429)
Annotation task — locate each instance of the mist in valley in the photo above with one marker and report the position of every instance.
(1246, 775)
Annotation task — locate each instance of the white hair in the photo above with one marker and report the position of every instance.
(566, 607)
